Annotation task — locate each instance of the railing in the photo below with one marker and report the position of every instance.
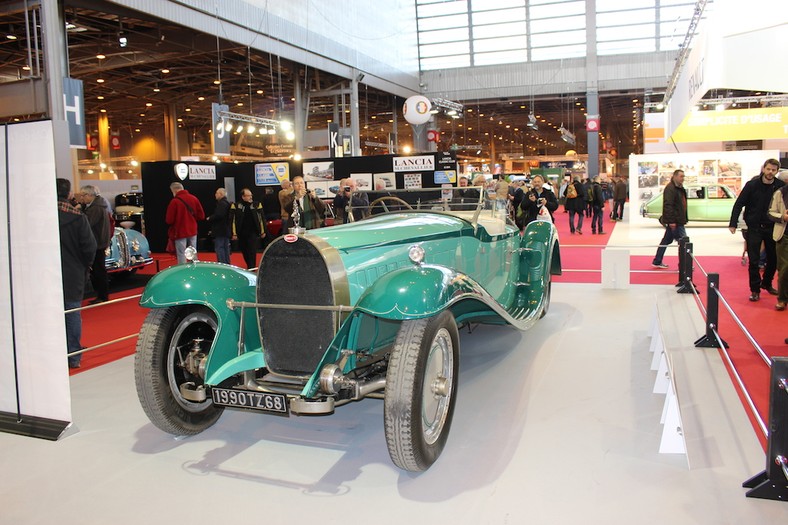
(772, 483)
(99, 305)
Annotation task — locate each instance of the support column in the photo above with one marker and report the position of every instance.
(592, 88)
(103, 136)
(355, 133)
(171, 132)
(301, 109)
(55, 62)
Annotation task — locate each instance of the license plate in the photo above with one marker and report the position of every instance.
(262, 401)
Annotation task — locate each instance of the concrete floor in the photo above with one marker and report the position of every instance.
(555, 425)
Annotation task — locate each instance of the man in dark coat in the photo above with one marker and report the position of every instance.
(597, 203)
(576, 205)
(619, 198)
(248, 226)
(219, 221)
(755, 198)
(77, 250)
(674, 215)
(95, 209)
(536, 198)
(349, 198)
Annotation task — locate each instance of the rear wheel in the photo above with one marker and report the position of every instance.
(421, 388)
(172, 344)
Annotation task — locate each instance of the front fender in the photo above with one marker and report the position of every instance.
(210, 285)
(436, 287)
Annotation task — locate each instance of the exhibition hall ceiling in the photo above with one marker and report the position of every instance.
(134, 68)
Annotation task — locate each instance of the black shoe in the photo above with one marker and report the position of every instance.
(755, 296)
(770, 289)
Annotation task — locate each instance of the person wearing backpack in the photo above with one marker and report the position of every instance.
(597, 203)
(588, 194)
(576, 205)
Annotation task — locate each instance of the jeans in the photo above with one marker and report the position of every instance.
(596, 219)
(222, 247)
(572, 214)
(782, 269)
(180, 247)
(754, 238)
(670, 235)
(618, 209)
(73, 332)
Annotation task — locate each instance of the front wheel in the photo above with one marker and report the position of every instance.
(421, 388)
(172, 343)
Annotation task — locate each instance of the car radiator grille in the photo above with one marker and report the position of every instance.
(294, 340)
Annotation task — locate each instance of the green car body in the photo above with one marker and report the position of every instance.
(710, 203)
(321, 322)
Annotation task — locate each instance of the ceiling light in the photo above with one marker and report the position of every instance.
(259, 91)
(10, 37)
(99, 80)
(148, 104)
(228, 126)
(100, 97)
(250, 128)
(156, 89)
(165, 70)
(200, 98)
(101, 56)
(217, 82)
(272, 131)
(240, 128)
(123, 41)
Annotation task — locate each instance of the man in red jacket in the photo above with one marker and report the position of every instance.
(183, 213)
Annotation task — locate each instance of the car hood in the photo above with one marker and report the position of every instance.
(394, 228)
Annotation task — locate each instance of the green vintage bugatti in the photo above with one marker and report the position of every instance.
(335, 315)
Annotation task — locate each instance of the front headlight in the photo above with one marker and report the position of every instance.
(190, 253)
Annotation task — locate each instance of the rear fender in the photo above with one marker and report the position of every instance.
(196, 284)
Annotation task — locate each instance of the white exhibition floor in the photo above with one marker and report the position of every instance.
(557, 425)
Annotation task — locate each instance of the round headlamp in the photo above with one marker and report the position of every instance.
(416, 254)
(190, 253)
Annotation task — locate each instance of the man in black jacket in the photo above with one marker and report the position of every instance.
(219, 221)
(77, 250)
(755, 198)
(95, 209)
(674, 215)
(248, 226)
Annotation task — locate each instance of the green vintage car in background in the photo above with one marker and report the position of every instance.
(335, 315)
(711, 203)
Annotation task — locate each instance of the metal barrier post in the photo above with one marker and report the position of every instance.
(710, 340)
(682, 261)
(772, 483)
(685, 263)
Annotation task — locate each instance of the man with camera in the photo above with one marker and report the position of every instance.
(534, 200)
(348, 199)
(311, 210)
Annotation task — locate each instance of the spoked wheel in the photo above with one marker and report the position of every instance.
(421, 388)
(173, 343)
(387, 204)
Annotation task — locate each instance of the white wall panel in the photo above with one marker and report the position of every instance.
(34, 289)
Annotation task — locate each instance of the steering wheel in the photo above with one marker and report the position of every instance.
(387, 204)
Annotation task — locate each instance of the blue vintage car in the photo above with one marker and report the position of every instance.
(338, 314)
(127, 252)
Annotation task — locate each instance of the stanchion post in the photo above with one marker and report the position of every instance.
(682, 262)
(772, 483)
(685, 263)
(710, 340)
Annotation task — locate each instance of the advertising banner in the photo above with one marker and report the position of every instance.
(220, 135)
(271, 173)
(734, 124)
(74, 106)
(419, 163)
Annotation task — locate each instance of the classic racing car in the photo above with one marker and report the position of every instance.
(711, 203)
(338, 314)
(127, 252)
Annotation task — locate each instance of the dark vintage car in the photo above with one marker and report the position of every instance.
(338, 314)
(129, 211)
(127, 252)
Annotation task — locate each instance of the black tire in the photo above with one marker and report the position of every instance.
(421, 388)
(158, 375)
